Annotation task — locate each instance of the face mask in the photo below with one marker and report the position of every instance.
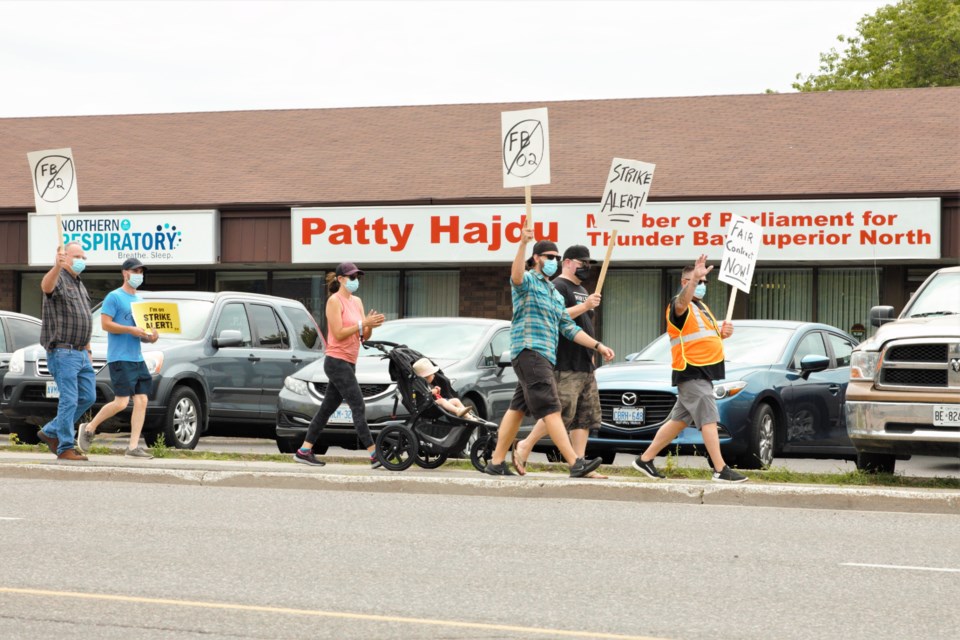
(352, 285)
(549, 268)
(136, 279)
(582, 273)
(79, 264)
(700, 291)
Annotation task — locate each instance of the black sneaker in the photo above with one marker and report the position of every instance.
(647, 469)
(728, 475)
(307, 458)
(375, 462)
(499, 469)
(584, 467)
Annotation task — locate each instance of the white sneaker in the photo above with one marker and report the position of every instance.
(85, 438)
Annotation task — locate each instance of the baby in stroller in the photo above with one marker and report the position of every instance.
(427, 370)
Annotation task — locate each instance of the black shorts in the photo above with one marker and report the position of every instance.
(129, 378)
(536, 392)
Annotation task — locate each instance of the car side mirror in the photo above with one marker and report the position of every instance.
(632, 356)
(228, 338)
(505, 360)
(812, 364)
(881, 315)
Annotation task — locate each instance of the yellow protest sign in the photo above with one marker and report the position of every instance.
(162, 316)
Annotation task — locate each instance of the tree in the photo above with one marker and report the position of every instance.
(915, 43)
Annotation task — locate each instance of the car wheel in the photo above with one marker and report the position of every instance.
(761, 438)
(26, 433)
(287, 445)
(396, 448)
(876, 462)
(181, 425)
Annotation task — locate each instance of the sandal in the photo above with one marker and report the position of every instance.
(518, 464)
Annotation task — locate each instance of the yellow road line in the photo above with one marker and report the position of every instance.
(323, 614)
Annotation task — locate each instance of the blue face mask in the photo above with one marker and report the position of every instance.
(79, 264)
(549, 268)
(700, 291)
(135, 280)
(352, 285)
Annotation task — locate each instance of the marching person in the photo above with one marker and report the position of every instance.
(129, 375)
(574, 372)
(538, 314)
(347, 326)
(696, 346)
(65, 334)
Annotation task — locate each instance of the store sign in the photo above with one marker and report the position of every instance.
(154, 237)
(792, 231)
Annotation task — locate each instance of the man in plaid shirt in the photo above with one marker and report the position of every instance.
(539, 314)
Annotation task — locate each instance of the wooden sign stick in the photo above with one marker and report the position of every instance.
(528, 197)
(606, 261)
(733, 299)
(59, 234)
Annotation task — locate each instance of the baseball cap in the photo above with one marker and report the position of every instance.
(348, 269)
(132, 263)
(578, 252)
(540, 248)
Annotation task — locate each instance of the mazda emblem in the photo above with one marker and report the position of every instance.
(955, 364)
(629, 398)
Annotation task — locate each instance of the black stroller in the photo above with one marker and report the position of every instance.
(430, 434)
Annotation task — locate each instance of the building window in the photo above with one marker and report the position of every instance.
(844, 298)
(431, 293)
(310, 289)
(781, 294)
(245, 281)
(380, 290)
(631, 309)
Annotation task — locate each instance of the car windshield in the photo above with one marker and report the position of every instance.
(747, 345)
(941, 297)
(444, 341)
(193, 318)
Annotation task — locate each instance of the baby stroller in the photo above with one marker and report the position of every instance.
(430, 434)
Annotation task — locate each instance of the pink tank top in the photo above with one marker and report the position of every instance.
(349, 348)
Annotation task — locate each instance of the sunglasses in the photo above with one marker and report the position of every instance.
(353, 277)
(699, 282)
(551, 256)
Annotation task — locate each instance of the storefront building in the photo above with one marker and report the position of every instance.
(857, 193)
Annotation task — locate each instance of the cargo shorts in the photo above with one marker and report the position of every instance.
(579, 399)
(696, 404)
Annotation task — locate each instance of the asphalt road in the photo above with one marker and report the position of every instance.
(103, 560)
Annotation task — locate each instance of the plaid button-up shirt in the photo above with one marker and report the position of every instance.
(66, 314)
(538, 313)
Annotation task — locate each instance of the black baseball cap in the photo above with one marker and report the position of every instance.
(578, 252)
(540, 248)
(132, 263)
(348, 269)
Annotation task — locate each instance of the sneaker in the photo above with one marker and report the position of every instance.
(85, 438)
(307, 458)
(375, 462)
(139, 452)
(647, 468)
(584, 467)
(728, 475)
(498, 469)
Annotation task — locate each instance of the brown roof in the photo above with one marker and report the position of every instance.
(777, 145)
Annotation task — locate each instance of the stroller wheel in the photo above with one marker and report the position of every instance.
(396, 448)
(482, 450)
(429, 460)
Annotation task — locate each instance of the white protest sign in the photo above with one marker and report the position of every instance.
(628, 186)
(54, 181)
(740, 253)
(525, 147)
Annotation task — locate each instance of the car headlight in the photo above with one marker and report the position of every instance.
(728, 389)
(295, 385)
(154, 361)
(864, 365)
(17, 361)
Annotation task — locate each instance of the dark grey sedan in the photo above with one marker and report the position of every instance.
(468, 350)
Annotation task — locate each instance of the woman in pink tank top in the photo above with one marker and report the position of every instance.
(347, 326)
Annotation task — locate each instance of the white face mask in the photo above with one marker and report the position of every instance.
(135, 280)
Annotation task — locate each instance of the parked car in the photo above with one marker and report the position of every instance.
(783, 393)
(16, 330)
(226, 365)
(469, 350)
(904, 394)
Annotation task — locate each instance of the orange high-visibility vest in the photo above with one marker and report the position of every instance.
(698, 342)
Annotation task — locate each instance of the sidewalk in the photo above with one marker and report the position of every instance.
(359, 477)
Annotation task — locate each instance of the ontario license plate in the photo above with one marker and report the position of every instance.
(946, 415)
(343, 415)
(52, 390)
(628, 415)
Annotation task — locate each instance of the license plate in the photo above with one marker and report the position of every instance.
(628, 415)
(52, 390)
(343, 415)
(946, 415)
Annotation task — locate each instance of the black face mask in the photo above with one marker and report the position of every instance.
(582, 273)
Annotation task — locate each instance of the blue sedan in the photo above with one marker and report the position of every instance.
(783, 394)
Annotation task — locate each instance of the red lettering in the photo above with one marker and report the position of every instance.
(310, 227)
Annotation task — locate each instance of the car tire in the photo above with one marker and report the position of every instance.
(287, 445)
(183, 422)
(26, 433)
(761, 439)
(876, 462)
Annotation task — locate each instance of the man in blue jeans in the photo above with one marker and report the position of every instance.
(65, 334)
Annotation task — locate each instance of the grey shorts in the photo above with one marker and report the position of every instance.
(579, 399)
(695, 404)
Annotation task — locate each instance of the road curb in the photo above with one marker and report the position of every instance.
(463, 483)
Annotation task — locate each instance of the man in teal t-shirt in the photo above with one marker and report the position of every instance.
(128, 371)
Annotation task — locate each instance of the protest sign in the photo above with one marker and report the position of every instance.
(621, 208)
(740, 250)
(54, 184)
(525, 147)
(162, 316)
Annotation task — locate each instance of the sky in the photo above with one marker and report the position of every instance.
(93, 58)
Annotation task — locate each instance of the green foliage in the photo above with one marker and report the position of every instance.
(915, 43)
(160, 448)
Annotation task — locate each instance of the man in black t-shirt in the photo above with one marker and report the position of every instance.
(576, 383)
